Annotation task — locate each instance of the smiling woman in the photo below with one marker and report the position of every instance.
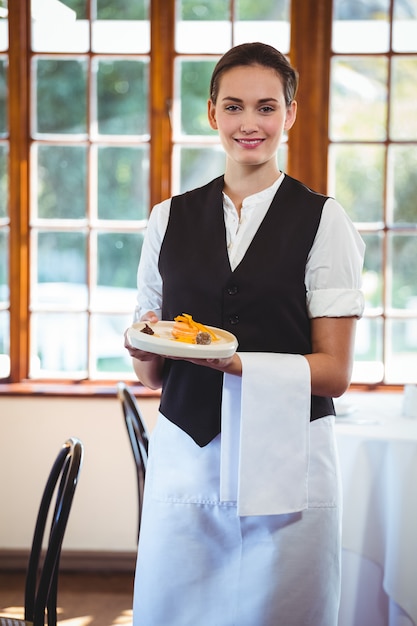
(250, 127)
(253, 235)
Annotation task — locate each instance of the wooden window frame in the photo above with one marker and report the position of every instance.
(310, 53)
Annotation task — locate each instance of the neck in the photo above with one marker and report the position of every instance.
(246, 182)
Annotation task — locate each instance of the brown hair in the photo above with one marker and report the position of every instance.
(256, 54)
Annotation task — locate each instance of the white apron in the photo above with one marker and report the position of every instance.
(201, 564)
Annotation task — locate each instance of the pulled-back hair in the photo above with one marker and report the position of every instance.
(256, 54)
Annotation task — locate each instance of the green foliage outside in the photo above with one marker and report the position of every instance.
(4, 193)
(195, 81)
(3, 100)
(61, 96)
(245, 10)
(112, 9)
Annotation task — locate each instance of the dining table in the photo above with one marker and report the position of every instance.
(377, 448)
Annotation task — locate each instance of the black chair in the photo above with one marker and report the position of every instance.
(138, 437)
(42, 572)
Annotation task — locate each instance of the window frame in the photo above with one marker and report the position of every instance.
(310, 52)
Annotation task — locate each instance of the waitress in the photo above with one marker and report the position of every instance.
(242, 514)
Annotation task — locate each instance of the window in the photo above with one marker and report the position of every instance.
(88, 183)
(372, 161)
(104, 114)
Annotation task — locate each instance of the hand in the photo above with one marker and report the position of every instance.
(141, 355)
(229, 365)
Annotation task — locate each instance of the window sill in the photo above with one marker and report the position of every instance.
(108, 388)
(72, 389)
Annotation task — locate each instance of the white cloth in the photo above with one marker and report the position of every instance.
(378, 458)
(201, 564)
(265, 435)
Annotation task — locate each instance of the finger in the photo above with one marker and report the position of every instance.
(149, 316)
(213, 361)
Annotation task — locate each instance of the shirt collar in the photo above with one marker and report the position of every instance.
(261, 197)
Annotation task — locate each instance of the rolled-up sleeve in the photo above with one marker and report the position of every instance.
(149, 281)
(333, 277)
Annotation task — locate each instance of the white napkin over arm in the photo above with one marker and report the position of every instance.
(265, 434)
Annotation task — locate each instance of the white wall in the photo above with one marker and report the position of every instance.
(32, 429)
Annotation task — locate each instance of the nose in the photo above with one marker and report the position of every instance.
(248, 124)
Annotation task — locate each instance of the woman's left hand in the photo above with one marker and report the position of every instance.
(229, 365)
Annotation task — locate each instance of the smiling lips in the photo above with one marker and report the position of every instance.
(249, 143)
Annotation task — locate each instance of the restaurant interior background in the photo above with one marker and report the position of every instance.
(102, 114)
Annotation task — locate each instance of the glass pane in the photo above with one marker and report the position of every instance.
(356, 179)
(203, 26)
(79, 6)
(267, 21)
(360, 26)
(4, 26)
(117, 260)
(123, 183)
(368, 366)
(403, 166)
(4, 93)
(4, 266)
(121, 27)
(61, 96)
(4, 180)
(368, 341)
(190, 110)
(107, 351)
(4, 344)
(358, 104)
(283, 156)
(403, 98)
(58, 345)
(122, 9)
(197, 166)
(61, 182)
(122, 97)
(60, 270)
(404, 29)
(403, 255)
(372, 280)
(60, 26)
(401, 354)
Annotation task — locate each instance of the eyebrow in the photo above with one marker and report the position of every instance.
(260, 101)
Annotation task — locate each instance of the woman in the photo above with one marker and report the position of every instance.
(241, 521)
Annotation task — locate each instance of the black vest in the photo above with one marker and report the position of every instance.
(262, 302)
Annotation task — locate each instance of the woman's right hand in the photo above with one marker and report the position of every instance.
(141, 355)
(148, 366)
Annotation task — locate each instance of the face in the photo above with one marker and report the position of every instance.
(250, 114)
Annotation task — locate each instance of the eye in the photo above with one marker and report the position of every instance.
(232, 108)
(267, 109)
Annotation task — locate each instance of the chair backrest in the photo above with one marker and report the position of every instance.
(138, 437)
(42, 573)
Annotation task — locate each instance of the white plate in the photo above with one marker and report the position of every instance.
(164, 343)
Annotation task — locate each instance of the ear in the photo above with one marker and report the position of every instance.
(290, 115)
(211, 112)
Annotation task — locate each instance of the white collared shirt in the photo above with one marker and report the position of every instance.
(333, 269)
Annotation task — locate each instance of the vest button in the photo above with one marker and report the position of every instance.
(232, 290)
(234, 319)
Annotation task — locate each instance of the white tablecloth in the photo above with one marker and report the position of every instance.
(378, 456)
